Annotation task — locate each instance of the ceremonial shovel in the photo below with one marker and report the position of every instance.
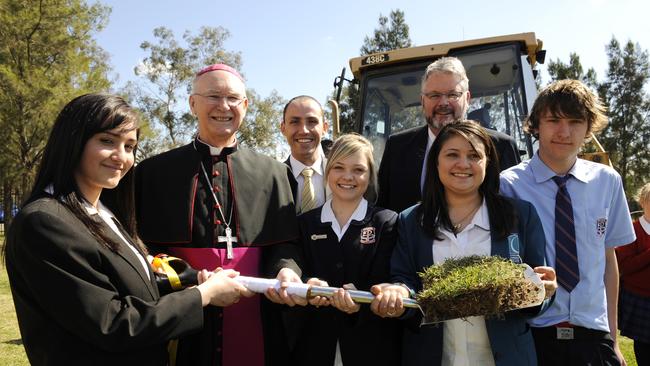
(259, 285)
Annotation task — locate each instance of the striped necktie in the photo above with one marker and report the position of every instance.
(308, 194)
(566, 255)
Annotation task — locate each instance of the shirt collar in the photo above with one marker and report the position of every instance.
(327, 215)
(297, 167)
(203, 147)
(542, 173)
(100, 210)
(644, 224)
(431, 138)
(482, 217)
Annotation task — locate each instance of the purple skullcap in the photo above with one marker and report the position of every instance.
(223, 67)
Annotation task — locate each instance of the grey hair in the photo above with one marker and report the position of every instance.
(447, 65)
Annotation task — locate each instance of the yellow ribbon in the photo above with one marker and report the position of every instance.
(162, 262)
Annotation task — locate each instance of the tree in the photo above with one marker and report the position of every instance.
(627, 136)
(260, 129)
(47, 57)
(385, 38)
(558, 70)
(388, 37)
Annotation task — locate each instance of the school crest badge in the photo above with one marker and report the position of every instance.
(513, 248)
(367, 235)
(601, 226)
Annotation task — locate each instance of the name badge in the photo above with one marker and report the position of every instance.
(564, 333)
(318, 236)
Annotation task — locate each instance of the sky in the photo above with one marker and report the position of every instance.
(299, 47)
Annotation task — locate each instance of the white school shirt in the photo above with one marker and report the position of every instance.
(466, 342)
(602, 220)
(644, 224)
(327, 215)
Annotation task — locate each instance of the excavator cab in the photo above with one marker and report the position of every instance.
(501, 72)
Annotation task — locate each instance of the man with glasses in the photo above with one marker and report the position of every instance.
(217, 204)
(445, 99)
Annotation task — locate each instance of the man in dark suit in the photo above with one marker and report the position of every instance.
(304, 125)
(445, 99)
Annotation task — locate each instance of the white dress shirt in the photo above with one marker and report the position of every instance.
(317, 180)
(466, 342)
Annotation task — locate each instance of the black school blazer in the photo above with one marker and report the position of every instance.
(79, 303)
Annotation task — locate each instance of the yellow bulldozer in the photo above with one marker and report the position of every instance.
(501, 71)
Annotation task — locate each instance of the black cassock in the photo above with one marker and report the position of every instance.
(178, 214)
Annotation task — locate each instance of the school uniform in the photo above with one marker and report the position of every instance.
(634, 295)
(601, 220)
(80, 303)
(357, 253)
(510, 338)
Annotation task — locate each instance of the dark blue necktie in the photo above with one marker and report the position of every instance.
(566, 256)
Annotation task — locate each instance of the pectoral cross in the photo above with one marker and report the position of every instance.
(228, 239)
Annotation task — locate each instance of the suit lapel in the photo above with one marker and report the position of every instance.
(130, 257)
(418, 147)
(499, 248)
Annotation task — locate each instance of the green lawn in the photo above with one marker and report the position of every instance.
(628, 350)
(11, 347)
(12, 351)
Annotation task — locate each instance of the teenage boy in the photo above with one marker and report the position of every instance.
(585, 215)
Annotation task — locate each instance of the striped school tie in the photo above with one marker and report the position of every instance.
(308, 194)
(566, 255)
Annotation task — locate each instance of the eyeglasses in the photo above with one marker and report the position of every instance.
(231, 101)
(451, 96)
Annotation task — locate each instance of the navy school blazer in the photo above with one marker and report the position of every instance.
(510, 337)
